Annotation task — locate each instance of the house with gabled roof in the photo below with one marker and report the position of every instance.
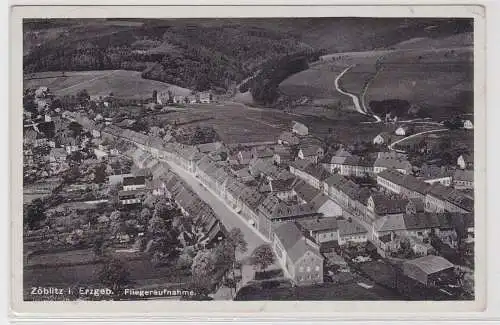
(465, 161)
(441, 198)
(391, 160)
(429, 270)
(379, 205)
(298, 255)
(299, 128)
(273, 210)
(463, 179)
(320, 229)
(288, 139)
(408, 186)
(311, 152)
(350, 231)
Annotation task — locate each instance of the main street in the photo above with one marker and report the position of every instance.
(226, 215)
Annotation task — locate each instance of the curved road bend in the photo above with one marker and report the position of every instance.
(391, 146)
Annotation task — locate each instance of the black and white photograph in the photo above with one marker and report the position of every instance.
(248, 159)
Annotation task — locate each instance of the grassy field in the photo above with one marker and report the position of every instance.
(239, 124)
(316, 82)
(73, 256)
(140, 270)
(122, 83)
(433, 73)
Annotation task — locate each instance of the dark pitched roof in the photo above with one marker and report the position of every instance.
(319, 224)
(294, 242)
(421, 221)
(317, 172)
(134, 180)
(463, 175)
(452, 196)
(289, 138)
(350, 227)
(281, 185)
(273, 208)
(407, 181)
(385, 205)
(305, 191)
(431, 264)
(391, 160)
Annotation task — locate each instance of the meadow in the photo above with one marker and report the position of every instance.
(122, 83)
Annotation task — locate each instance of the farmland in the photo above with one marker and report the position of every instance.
(122, 83)
(316, 82)
(236, 123)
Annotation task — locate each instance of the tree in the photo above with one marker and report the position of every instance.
(114, 275)
(98, 247)
(161, 208)
(34, 213)
(157, 225)
(150, 201)
(263, 256)
(100, 174)
(203, 264)
(83, 97)
(144, 216)
(115, 215)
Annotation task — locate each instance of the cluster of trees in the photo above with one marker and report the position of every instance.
(190, 55)
(264, 86)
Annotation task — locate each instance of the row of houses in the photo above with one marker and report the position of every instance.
(437, 197)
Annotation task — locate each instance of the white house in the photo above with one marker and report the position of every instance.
(465, 161)
(381, 138)
(402, 130)
(468, 125)
(300, 128)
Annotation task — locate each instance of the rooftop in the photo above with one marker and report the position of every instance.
(431, 264)
(293, 241)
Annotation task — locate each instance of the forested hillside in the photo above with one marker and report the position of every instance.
(206, 54)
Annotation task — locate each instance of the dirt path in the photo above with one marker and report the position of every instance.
(391, 146)
(87, 81)
(355, 98)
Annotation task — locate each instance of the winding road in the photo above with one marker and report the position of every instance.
(355, 99)
(391, 146)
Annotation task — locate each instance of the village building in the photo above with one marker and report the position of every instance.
(379, 205)
(441, 198)
(244, 157)
(314, 175)
(431, 174)
(350, 231)
(347, 194)
(419, 247)
(300, 129)
(405, 185)
(298, 255)
(468, 125)
(57, 155)
(463, 179)
(356, 166)
(382, 138)
(312, 153)
(429, 270)
(465, 161)
(402, 131)
(131, 183)
(288, 139)
(338, 159)
(387, 160)
(131, 197)
(262, 153)
(322, 230)
(272, 210)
